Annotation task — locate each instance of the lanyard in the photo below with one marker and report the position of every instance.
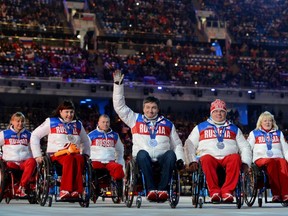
(69, 128)
(220, 138)
(152, 129)
(268, 139)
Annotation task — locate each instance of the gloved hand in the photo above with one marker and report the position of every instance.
(118, 77)
(179, 164)
(193, 166)
(244, 168)
(73, 149)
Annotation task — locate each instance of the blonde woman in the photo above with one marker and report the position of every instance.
(271, 151)
(15, 142)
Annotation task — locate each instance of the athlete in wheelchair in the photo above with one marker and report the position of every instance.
(107, 162)
(219, 145)
(17, 166)
(154, 139)
(68, 148)
(136, 182)
(270, 168)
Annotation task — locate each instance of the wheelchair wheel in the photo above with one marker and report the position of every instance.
(284, 204)
(130, 183)
(32, 197)
(250, 186)
(43, 181)
(260, 201)
(32, 200)
(94, 190)
(195, 189)
(174, 192)
(198, 188)
(240, 191)
(138, 201)
(7, 200)
(116, 188)
(2, 179)
(85, 196)
(116, 200)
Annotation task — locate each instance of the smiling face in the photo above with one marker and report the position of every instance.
(267, 123)
(150, 110)
(218, 115)
(67, 114)
(18, 123)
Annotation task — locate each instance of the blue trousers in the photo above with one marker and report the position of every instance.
(166, 162)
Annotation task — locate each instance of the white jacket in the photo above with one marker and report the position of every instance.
(258, 144)
(106, 146)
(58, 137)
(203, 140)
(15, 145)
(167, 137)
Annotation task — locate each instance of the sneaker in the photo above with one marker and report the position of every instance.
(276, 198)
(215, 198)
(64, 194)
(152, 195)
(75, 194)
(285, 198)
(227, 197)
(162, 195)
(21, 192)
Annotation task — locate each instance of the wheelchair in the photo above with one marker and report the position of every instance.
(258, 185)
(104, 186)
(48, 182)
(134, 185)
(9, 183)
(199, 188)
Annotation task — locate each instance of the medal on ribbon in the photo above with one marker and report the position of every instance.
(153, 142)
(220, 145)
(268, 140)
(269, 153)
(220, 137)
(152, 131)
(69, 129)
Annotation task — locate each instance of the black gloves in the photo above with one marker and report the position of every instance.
(179, 164)
(193, 166)
(244, 168)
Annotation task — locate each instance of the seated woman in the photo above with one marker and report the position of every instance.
(15, 142)
(270, 150)
(64, 132)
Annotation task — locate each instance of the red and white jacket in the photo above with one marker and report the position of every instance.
(166, 136)
(58, 136)
(106, 146)
(203, 140)
(257, 141)
(15, 145)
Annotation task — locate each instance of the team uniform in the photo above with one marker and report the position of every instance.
(105, 148)
(204, 144)
(271, 150)
(166, 135)
(59, 135)
(218, 143)
(153, 140)
(17, 152)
